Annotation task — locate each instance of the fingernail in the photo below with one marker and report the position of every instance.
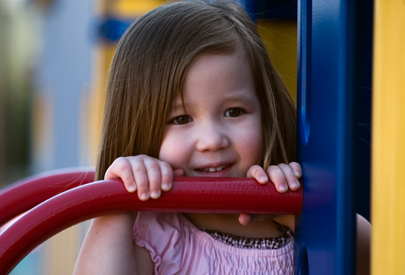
(131, 188)
(298, 174)
(263, 179)
(282, 188)
(295, 185)
(166, 186)
(144, 196)
(155, 194)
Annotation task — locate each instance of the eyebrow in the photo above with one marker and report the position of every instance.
(240, 97)
(236, 97)
(178, 104)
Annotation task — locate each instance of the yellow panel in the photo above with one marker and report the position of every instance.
(126, 8)
(61, 251)
(388, 151)
(129, 8)
(280, 39)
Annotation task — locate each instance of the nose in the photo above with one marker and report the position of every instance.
(211, 137)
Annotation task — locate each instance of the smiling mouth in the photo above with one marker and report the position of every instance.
(212, 169)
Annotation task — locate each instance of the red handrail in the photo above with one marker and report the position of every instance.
(221, 195)
(28, 193)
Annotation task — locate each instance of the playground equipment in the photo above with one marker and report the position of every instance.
(349, 53)
(83, 201)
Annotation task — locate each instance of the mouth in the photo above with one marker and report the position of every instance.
(212, 169)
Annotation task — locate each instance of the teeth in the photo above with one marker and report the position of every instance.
(212, 169)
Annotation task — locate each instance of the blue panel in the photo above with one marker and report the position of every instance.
(326, 96)
(274, 9)
(110, 29)
(250, 7)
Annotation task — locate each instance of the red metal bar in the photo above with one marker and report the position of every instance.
(221, 195)
(28, 193)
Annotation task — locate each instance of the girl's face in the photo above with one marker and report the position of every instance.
(218, 133)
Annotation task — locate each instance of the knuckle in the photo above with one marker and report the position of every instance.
(153, 166)
(127, 179)
(166, 179)
(257, 170)
(142, 184)
(254, 171)
(295, 166)
(165, 165)
(154, 182)
(283, 166)
(120, 161)
(139, 169)
(273, 169)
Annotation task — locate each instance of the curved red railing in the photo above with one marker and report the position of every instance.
(220, 195)
(28, 193)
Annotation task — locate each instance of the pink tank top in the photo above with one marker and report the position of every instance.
(176, 246)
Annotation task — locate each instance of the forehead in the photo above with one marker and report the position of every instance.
(213, 77)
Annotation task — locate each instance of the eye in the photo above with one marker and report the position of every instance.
(234, 112)
(181, 120)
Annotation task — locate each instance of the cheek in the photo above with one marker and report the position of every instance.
(251, 143)
(173, 151)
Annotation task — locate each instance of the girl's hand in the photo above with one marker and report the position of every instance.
(144, 174)
(284, 177)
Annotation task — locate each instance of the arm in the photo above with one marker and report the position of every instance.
(108, 247)
(363, 246)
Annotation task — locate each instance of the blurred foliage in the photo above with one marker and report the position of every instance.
(18, 21)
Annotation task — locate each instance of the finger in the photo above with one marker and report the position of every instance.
(245, 219)
(258, 174)
(141, 179)
(121, 168)
(167, 175)
(296, 167)
(154, 177)
(289, 175)
(276, 175)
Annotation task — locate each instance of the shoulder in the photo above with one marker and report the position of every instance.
(166, 239)
(158, 222)
(363, 237)
(363, 231)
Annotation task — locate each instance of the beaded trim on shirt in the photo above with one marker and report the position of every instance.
(254, 243)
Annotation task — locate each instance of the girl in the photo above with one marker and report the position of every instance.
(192, 92)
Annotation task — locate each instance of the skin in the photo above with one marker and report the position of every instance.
(219, 101)
(203, 133)
(218, 128)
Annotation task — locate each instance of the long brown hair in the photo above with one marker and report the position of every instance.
(149, 69)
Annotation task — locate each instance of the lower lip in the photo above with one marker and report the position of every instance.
(223, 173)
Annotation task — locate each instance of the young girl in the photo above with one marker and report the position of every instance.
(192, 92)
